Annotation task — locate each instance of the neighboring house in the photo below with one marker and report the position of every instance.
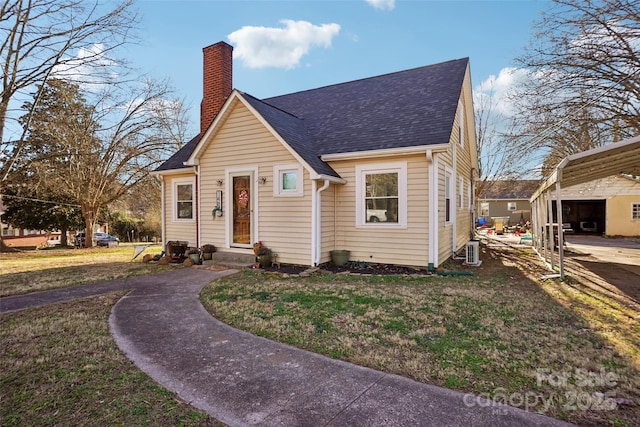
(17, 237)
(609, 206)
(383, 167)
(506, 198)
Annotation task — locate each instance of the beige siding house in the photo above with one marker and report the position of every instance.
(382, 167)
(506, 199)
(609, 206)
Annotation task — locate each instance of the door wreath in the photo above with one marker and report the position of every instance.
(243, 199)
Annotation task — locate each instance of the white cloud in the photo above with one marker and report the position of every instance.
(91, 68)
(382, 4)
(262, 47)
(497, 90)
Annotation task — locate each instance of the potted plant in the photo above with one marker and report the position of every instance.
(339, 256)
(207, 251)
(263, 255)
(194, 254)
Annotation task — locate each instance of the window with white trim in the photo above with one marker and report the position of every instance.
(184, 196)
(511, 206)
(287, 181)
(484, 209)
(381, 195)
(635, 212)
(469, 189)
(448, 189)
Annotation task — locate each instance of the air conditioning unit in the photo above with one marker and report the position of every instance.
(473, 253)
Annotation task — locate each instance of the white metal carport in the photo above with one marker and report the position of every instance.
(613, 159)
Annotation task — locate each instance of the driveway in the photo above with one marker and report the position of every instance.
(620, 250)
(616, 261)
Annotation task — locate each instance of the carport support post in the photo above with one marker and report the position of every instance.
(540, 227)
(560, 230)
(550, 228)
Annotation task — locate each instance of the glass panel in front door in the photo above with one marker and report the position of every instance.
(242, 209)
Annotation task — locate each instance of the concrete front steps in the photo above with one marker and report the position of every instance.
(232, 260)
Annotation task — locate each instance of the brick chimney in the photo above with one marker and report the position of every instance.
(217, 81)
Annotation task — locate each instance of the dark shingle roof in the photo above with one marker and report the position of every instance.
(293, 130)
(404, 109)
(182, 155)
(509, 189)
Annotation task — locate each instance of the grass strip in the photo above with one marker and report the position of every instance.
(40, 270)
(60, 366)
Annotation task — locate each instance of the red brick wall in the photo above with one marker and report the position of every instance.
(217, 81)
(40, 240)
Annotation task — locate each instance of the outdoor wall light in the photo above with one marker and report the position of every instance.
(263, 179)
(220, 182)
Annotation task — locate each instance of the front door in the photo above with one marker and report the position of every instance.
(242, 208)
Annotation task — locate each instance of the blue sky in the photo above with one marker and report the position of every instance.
(335, 40)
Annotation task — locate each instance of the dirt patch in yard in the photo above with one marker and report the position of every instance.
(618, 279)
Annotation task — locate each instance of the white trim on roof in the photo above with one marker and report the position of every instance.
(389, 152)
(186, 169)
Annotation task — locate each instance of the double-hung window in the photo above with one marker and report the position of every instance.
(635, 212)
(381, 195)
(184, 196)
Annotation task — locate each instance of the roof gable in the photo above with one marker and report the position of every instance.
(293, 130)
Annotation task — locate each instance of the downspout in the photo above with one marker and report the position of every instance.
(163, 233)
(197, 170)
(433, 211)
(454, 208)
(316, 223)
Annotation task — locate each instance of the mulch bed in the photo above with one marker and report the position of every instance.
(353, 267)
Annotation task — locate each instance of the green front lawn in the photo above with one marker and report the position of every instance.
(501, 333)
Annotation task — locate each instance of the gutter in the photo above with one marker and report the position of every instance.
(163, 232)
(197, 210)
(386, 152)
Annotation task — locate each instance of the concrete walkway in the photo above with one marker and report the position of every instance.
(243, 380)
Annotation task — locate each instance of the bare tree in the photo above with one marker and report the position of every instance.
(584, 90)
(94, 153)
(44, 38)
(496, 158)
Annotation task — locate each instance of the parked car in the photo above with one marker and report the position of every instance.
(79, 241)
(53, 241)
(105, 241)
